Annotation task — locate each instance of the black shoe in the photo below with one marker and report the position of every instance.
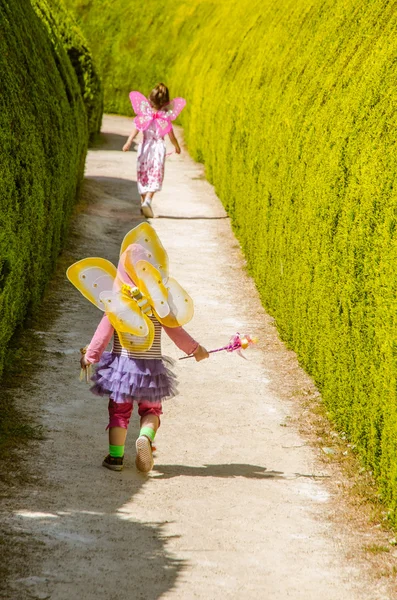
(114, 463)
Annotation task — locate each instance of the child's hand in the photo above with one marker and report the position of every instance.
(84, 363)
(174, 142)
(200, 353)
(85, 373)
(126, 147)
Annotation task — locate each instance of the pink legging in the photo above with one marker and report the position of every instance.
(120, 412)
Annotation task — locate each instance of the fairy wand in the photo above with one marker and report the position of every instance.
(236, 344)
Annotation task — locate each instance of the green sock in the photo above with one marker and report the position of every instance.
(116, 451)
(148, 432)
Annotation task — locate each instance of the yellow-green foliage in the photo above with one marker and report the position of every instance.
(131, 42)
(62, 28)
(43, 142)
(291, 105)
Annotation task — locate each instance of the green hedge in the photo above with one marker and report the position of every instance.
(132, 42)
(292, 108)
(43, 143)
(63, 29)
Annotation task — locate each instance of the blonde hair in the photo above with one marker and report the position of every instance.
(159, 96)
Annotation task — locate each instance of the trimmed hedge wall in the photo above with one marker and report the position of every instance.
(43, 143)
(292, 108)
(132, 42)
(62, 28)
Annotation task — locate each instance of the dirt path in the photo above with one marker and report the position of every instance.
(232, 509)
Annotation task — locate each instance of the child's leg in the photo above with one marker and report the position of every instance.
(150, 421)
(119, 418)
(117, 436)
(150, 417)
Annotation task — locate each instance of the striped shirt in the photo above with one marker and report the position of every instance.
(105, 332)
(153, 352)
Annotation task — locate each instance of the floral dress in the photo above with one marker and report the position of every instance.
(151, 160)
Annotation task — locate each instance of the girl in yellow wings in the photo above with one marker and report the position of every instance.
(139, 299)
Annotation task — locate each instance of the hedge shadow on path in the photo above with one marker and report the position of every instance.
(117, 187)
(227, 471)
(131, 559)
(224, 471)
(110, 142)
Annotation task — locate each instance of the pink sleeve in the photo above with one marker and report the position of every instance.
(182, 339)
(100, 340)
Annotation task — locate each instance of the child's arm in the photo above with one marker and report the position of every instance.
(100, 340)
(128, 143)
(186, 343)
(174, 141)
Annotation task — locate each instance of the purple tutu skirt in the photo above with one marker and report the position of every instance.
(126, 379)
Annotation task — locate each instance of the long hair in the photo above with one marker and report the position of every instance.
(159, 96)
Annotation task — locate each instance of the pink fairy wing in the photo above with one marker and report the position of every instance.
(175, 107)
(140, 104)
(163, 125)
(142, 122)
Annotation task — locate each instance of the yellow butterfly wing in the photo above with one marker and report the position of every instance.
(180, 303)
(137, 344)
(125, 314)
(171, 304)
(152, 287)
(151, 249)
(92, 276)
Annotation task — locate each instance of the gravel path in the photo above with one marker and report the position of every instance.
(232, 509)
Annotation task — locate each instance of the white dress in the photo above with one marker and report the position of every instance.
(150, 161)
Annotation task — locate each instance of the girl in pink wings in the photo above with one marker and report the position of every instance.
(154, 116)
